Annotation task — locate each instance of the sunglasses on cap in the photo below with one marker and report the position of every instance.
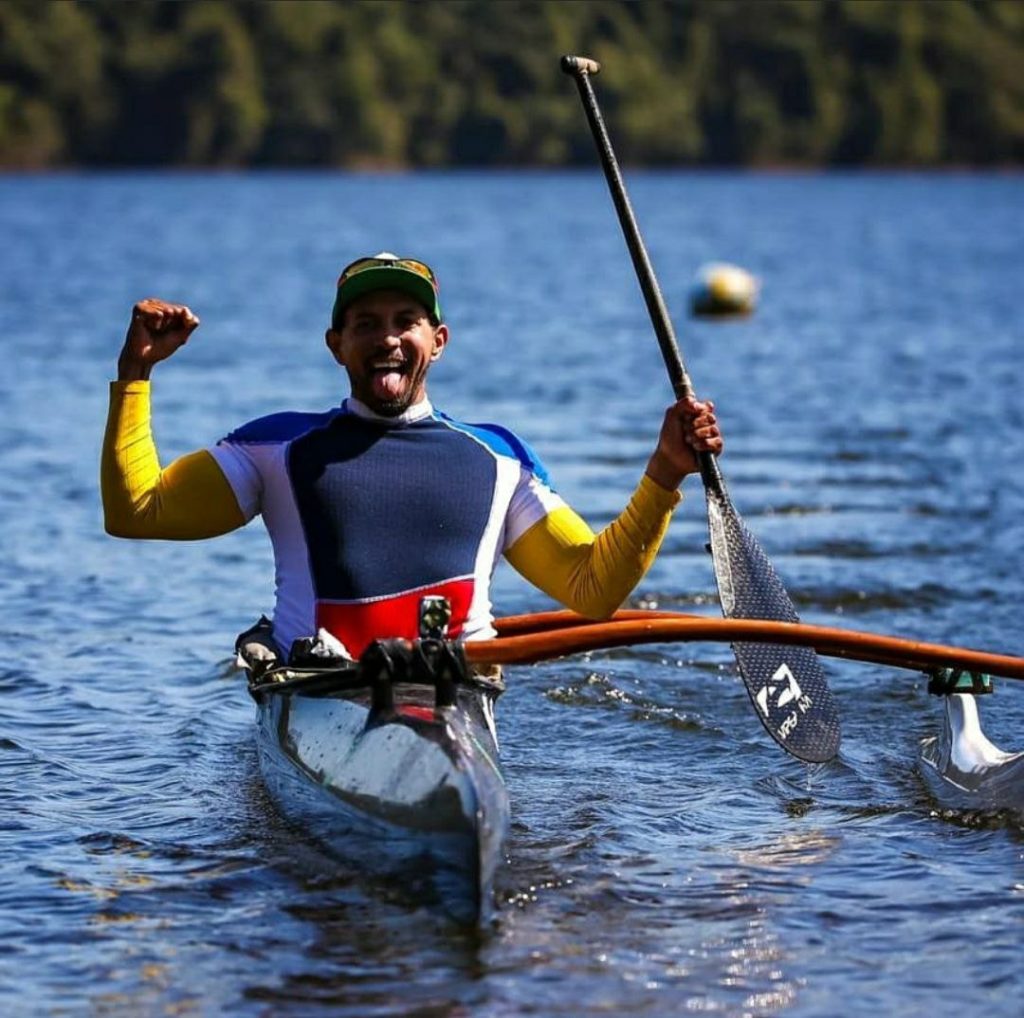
(384, 262)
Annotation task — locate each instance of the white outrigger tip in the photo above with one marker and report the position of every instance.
(964, 769)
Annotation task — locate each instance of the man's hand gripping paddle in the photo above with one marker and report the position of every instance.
(786, 684)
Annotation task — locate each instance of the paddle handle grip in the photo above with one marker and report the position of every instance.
(580, 65)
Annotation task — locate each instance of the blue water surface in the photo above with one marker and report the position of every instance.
(666, 857)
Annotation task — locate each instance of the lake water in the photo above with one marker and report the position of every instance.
(665, 856)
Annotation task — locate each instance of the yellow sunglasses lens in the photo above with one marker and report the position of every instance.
(418, 267)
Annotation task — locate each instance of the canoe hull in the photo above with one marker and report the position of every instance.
(417, 793)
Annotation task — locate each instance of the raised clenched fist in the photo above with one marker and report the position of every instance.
(157, 329)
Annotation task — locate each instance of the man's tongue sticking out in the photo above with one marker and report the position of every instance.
(388, 382)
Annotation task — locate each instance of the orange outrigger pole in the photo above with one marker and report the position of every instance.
(524, 639)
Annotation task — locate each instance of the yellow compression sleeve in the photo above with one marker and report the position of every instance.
(594, 575)
(188, 500)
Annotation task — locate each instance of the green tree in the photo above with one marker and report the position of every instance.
(53, 98)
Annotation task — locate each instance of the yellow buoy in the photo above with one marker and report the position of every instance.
(722, 290)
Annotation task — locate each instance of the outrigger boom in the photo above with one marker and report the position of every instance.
(523, 639)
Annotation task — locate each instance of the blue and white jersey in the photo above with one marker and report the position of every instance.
(368, 514)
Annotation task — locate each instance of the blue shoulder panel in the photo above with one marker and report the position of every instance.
(503, 442)
(282, 427)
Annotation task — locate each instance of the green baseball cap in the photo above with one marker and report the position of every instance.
(386, 271)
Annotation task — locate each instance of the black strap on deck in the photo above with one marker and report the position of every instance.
(440, 664)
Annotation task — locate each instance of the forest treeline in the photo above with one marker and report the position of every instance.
(476, 82)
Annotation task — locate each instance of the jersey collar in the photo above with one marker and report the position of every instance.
(417, 412)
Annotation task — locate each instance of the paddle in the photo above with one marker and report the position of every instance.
(786, 684)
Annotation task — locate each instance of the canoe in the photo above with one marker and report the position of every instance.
(401, 778)
(964, 770)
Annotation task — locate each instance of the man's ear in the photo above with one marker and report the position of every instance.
(440, 341)
(333, 340)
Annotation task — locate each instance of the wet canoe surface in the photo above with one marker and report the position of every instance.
(416, 797)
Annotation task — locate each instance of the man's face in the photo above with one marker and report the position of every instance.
(387, 344)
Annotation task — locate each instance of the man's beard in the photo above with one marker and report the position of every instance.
(392, 407)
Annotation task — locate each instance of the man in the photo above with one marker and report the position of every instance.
(377, 502)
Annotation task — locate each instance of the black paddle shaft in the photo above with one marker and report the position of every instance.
(786, 684)
(580, 69)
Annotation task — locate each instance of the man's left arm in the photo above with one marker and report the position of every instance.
(591, 574)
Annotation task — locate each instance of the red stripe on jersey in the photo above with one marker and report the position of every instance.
(358, 624)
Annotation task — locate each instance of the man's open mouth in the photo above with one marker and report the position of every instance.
(387, 379)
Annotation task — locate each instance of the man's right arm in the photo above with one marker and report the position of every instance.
(191, 498)
(188, 500)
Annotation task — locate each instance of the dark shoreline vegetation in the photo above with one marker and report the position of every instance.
(375, 85)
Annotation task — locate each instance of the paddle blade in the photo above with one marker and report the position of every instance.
(786, 684)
